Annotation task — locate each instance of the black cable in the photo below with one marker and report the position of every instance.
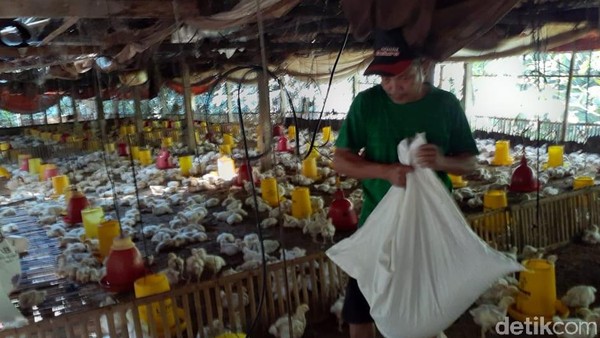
(337, 59)
(137, 198)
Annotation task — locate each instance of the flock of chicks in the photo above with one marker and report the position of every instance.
(490, 177)
(184, 207)
(493, 304)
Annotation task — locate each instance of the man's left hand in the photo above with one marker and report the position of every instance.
(429, 156)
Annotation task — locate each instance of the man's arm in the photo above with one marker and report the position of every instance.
(429, 156)
(351, 164)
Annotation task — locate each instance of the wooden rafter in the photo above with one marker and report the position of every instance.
(97, 9)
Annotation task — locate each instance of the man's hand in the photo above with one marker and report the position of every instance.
(429, 156)
(396, 174)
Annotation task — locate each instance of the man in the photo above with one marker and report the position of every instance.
(379, 118)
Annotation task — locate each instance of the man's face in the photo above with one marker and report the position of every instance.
(404, 87)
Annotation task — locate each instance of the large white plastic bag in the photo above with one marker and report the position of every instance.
(416, 260)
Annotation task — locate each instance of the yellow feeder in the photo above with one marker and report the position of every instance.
(109, 147)
(235, 129)
(131, 129)
(268, 187)
(122, 130)
(502, 154)
(147, 129)
(92, 217)
(537, 293)
(314, 153)
(457, 181)
(216, 128)
(60, 183)
(35, 165)
(301, 206)
(145, 156)
(167, 141)
(555, 156)
(583, 182)
(493, 200)
(4, 173)
(326, 131)
(152, 285)
(185, 164)
(291, 132)
(309, 168)
(225, 149)
(107, 231)
(177, 124)
(228, 139)
(135, 152)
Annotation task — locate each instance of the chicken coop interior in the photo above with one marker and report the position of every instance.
(166, 165)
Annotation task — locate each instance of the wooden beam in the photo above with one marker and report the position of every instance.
(93, 9)
(65, 25)
(565, 122)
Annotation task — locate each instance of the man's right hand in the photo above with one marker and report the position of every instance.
(396, 174)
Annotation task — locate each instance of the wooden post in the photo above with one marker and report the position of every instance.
(467, 99)
(563, 131)
(100, 107)
(75, 110)
(60, 121)
(139, 118)
(231, 116)
(46, 117)
(187, 103)
(264, 120)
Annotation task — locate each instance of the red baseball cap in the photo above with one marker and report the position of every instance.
(392, 54)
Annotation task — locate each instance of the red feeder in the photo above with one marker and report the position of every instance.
(164, 161)
(278, 130)
(77, 202)
(64, 137)
(24, 164)
(523, 179)
(282, 144)
(124, 265)
(122, 149)
(243, 174)
(341, 212)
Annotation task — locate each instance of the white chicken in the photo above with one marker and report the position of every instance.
(488, 315)
(281, 328)
(579, 296)
(336, 309)
(591, 235)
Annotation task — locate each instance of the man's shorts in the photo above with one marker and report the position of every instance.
(356, 309)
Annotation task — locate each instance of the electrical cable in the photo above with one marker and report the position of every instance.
(337, 59)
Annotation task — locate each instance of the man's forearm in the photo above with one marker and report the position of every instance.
(347, 163)
(459, 165)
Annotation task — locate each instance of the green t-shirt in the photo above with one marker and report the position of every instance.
(377, 124)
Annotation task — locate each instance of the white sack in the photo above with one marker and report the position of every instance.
(416, 260)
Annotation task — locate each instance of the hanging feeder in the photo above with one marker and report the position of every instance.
(164, 161)
(342, 213)
(77, 202)
(124, 265)
(523, 178)
(282, 144)
(243, 174)
(278, 130)
(122, 149)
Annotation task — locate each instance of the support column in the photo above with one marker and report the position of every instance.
(231, 116)
(467, 99)
(563, 131)
(187, 104)
(139, 118)
(264, 120)
(75, 110)
(100, 107)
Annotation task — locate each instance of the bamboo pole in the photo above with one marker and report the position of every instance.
(565, 122)
(264, 121)
(100, 107)
(187, 103)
